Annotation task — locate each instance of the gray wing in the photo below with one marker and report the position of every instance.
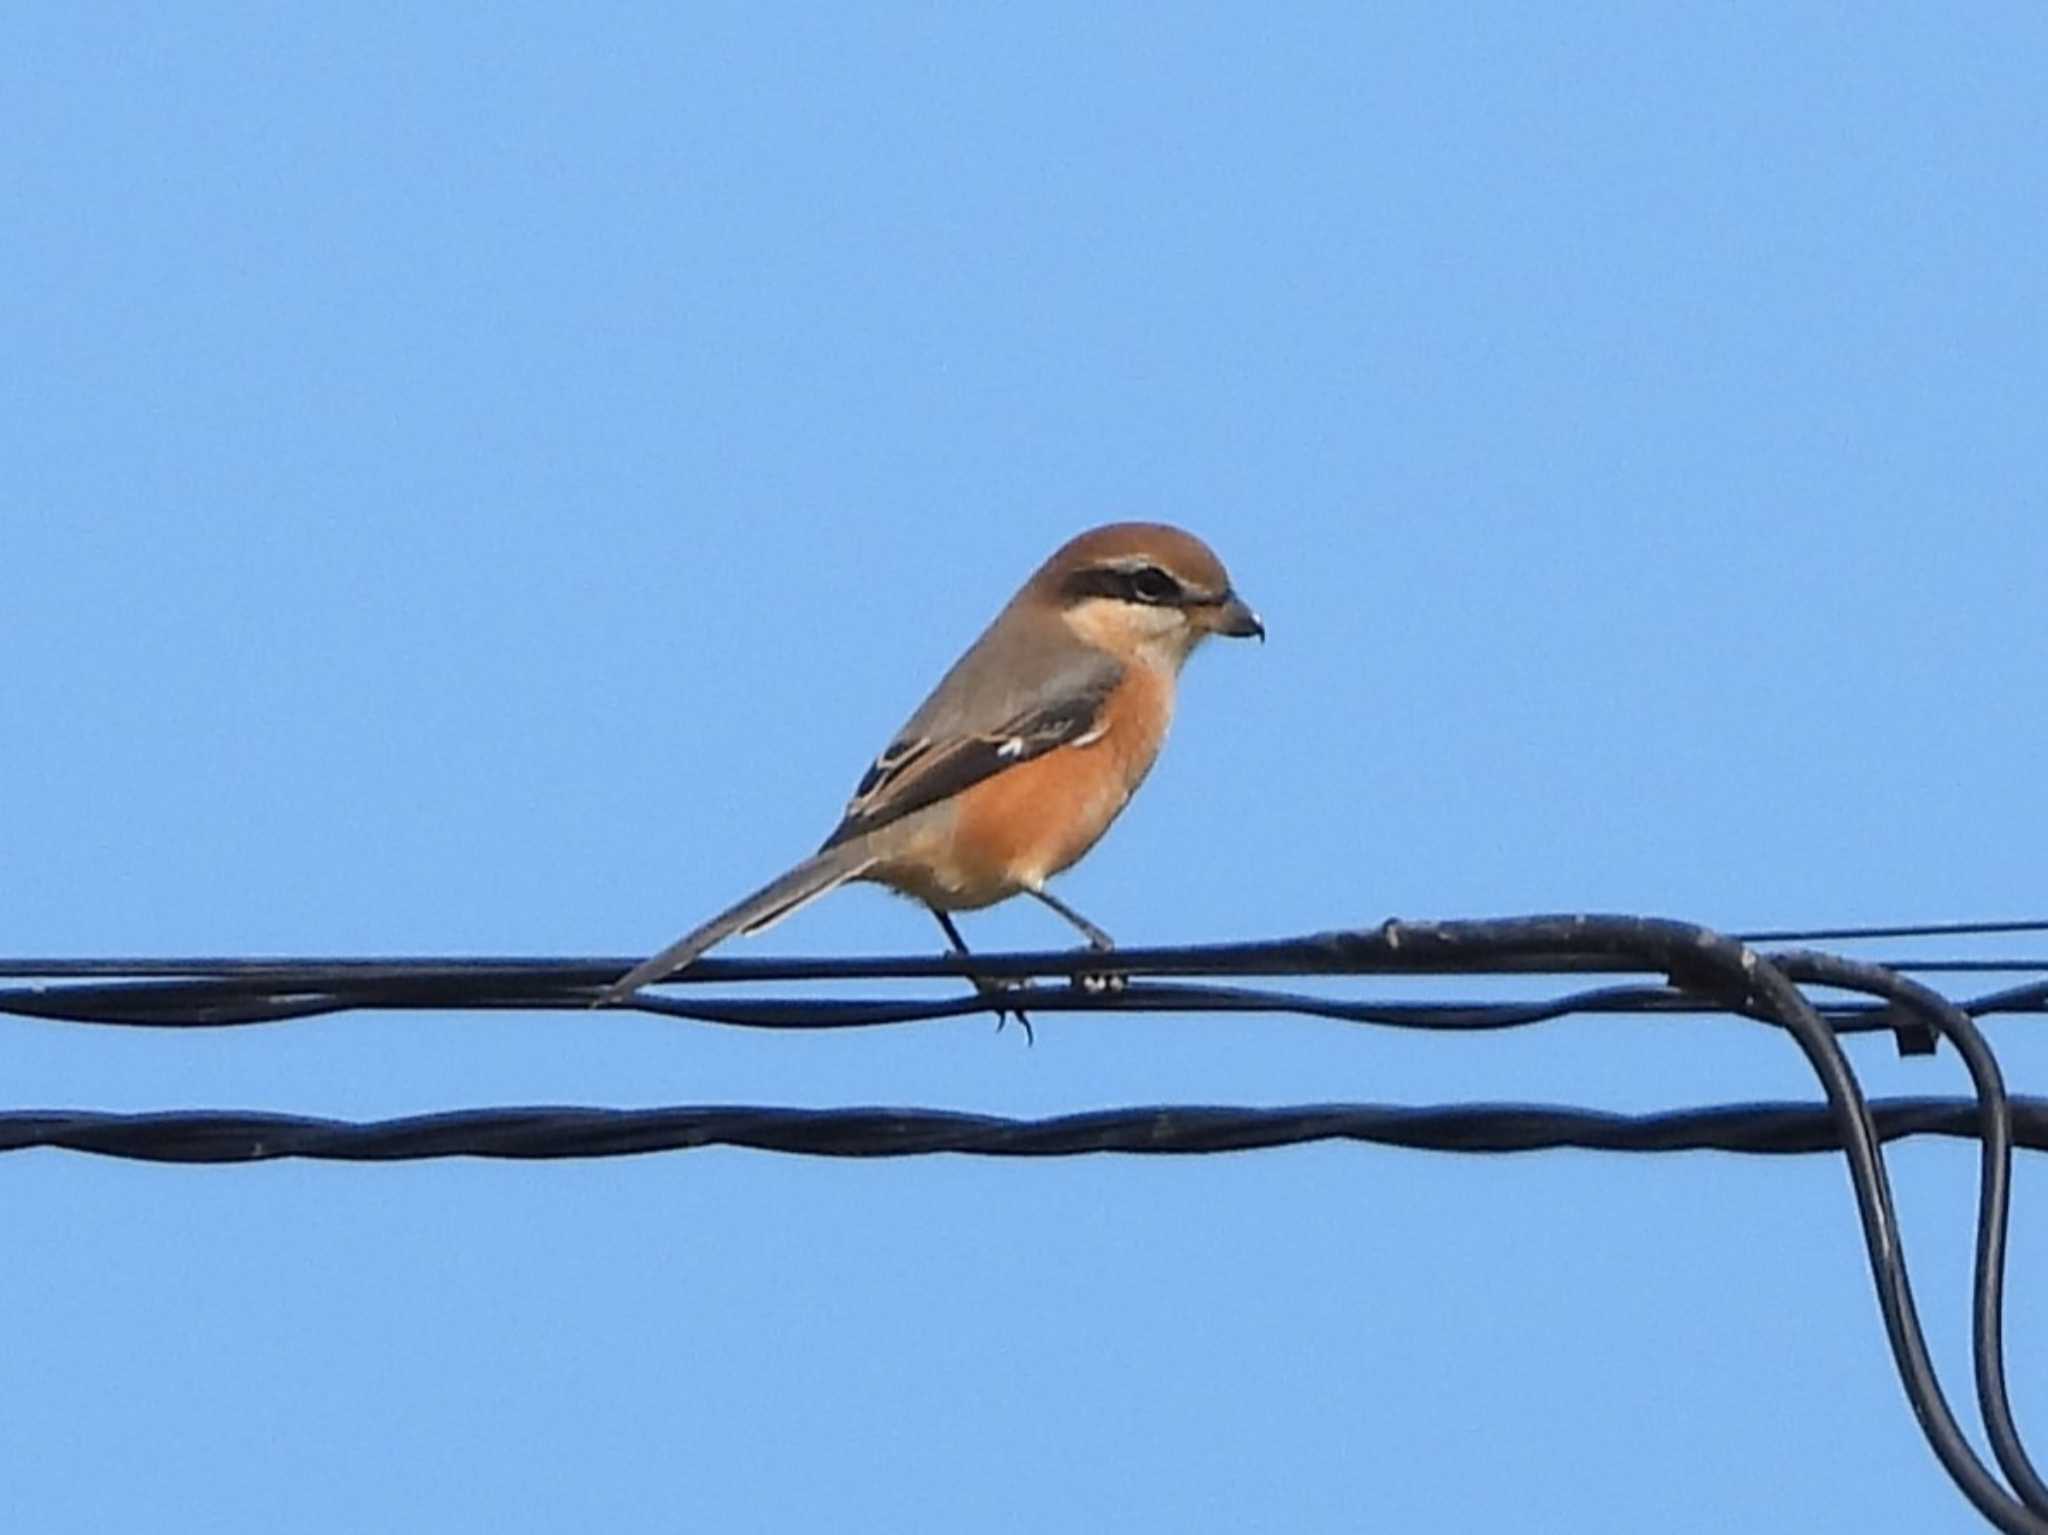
(988, 714)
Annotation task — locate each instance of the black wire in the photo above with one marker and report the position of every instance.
(80, 968)
(1704, 970)
(217, 1003)
(1994, 1200)
(1702, 960)
(218, 993)
(1921, 930)
(1895, 1296)
(553, 1132)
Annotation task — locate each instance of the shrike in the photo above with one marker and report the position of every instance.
(1027, 749)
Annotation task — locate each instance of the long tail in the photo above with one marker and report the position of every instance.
(765, 907)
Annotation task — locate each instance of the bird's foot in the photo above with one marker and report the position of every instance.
(1007, 990)
(1101, 983)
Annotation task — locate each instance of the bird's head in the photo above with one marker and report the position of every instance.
(1144, 590)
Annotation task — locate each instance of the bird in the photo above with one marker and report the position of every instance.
(1026, 751)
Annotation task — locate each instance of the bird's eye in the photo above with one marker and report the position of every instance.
(1154, 585)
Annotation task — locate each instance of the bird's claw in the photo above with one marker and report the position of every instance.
(1005, 1013)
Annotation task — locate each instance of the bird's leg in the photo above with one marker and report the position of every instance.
(1098, 940)
(982, 984)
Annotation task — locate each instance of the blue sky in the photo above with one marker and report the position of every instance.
(487, 481)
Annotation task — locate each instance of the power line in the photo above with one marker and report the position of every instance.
(1910, 930)
(542, 1133)
(1691, 969)
(217, 992)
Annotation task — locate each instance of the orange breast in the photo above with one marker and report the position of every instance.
(1017, 829)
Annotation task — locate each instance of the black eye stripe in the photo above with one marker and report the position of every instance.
(1146, 584)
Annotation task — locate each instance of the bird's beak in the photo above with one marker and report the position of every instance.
(1232, 617)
